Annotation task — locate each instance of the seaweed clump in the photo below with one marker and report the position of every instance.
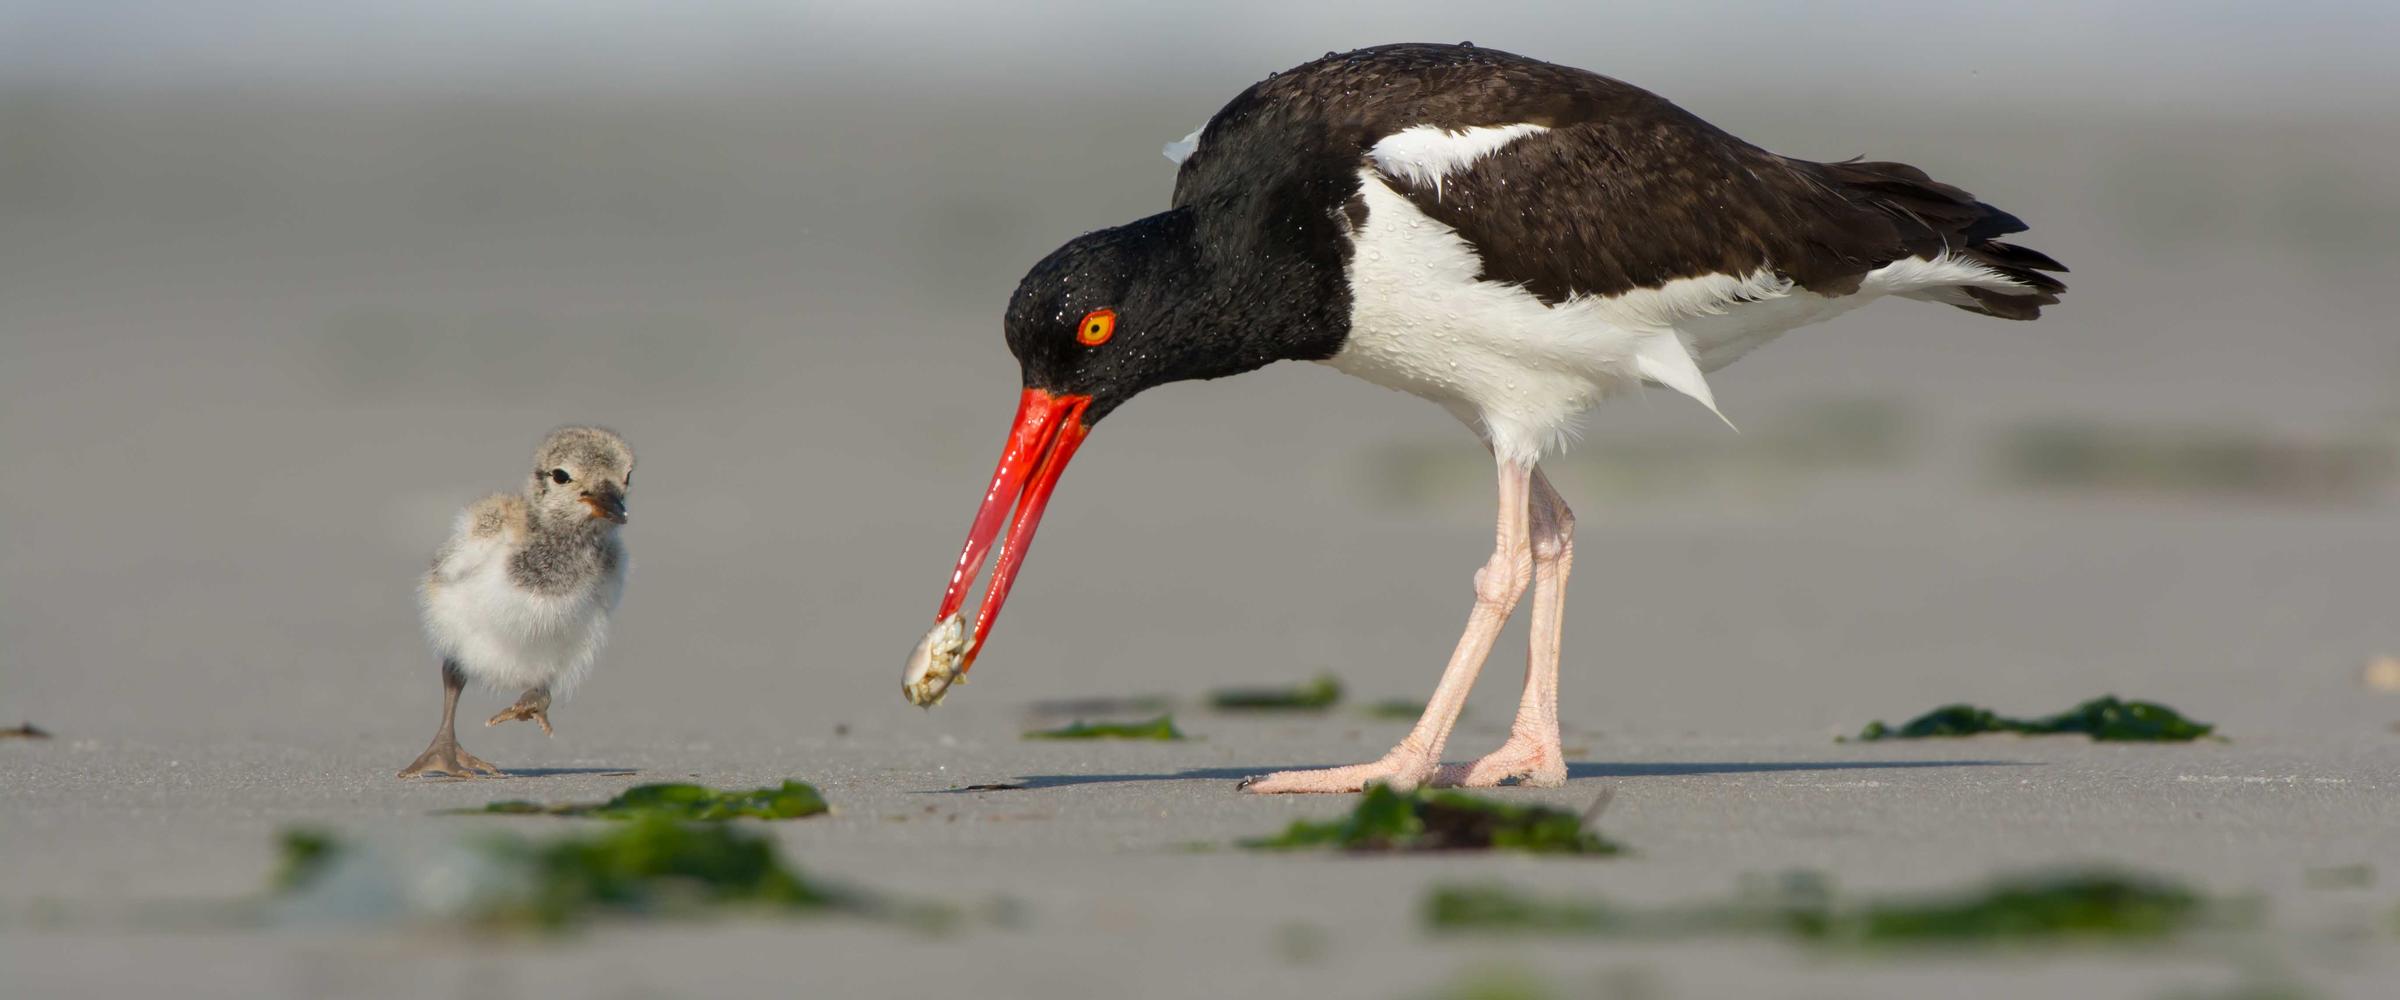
(1161, 728)
(2106, 718)
(792, 800)
(652, 866)
(2082, 905)
(1420, 820)
(655, 865)
(304, 854)
(1319, 694)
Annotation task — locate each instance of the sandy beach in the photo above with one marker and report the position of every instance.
(258, 346)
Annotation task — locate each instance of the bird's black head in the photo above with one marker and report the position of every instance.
(1121, 310)
(1102, 318)
(1112, 313)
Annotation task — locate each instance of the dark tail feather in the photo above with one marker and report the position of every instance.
(1936, 218)
(1992, 223)
(2022, 265)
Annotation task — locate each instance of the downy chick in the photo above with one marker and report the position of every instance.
(521, 594)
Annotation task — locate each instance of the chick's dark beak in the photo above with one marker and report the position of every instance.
(606, 500)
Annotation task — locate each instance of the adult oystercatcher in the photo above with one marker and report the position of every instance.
(1512, 239)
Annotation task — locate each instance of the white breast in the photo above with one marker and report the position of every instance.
(509, 637)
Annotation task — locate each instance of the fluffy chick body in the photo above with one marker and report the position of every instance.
(521, 594)
(516, 609)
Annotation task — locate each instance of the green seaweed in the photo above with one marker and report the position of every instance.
(2086, 905)
(1386, 820)
(2192, 461)
(305, 853)
(2081, 905)
(793, 800)
(2353, 876)
(1501, 909)
(1317, 695)
(656, 865)
(1396, 708)
(651, 866)
(2104, 718)
(1161, 728)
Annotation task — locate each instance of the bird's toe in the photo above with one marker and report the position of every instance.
(1530, 764)
(451, 761)
(517, 714)
(1404, 774)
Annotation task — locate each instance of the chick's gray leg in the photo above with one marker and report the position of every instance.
(445, 756)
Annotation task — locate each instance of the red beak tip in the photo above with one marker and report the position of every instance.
(1042, 439)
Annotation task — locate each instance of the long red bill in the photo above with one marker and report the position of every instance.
(1047, 430)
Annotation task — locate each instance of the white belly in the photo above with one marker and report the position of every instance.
(1520, 370)
(511, 638)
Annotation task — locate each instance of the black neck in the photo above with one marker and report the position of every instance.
(1261, 282)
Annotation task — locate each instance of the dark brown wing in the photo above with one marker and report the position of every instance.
(1624, 190)
(1646, 193)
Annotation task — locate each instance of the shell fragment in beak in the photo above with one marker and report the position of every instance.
(933, 665)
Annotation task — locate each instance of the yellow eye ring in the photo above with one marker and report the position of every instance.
(1097, 326)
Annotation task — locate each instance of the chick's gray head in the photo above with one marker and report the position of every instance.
(581, 474)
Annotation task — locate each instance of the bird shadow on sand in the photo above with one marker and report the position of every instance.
(542, 772)
(560, 772)
(1659, 769)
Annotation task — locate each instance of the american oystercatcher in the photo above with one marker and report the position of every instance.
(1512, 239)
(521, 593)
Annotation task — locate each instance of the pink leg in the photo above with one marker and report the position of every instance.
(1497, 586)
(1532, 754)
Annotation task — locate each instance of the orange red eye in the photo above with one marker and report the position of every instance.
(1097, 326)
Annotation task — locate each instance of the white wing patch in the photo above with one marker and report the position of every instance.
(1427, 153)
(1182, 149)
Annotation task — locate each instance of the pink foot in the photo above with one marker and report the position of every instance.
(1401, 771)
(1534, 763)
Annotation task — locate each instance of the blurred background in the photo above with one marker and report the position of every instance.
(285, 284)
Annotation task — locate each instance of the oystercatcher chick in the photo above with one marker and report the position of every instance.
(521, 594)
(1514, 240)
